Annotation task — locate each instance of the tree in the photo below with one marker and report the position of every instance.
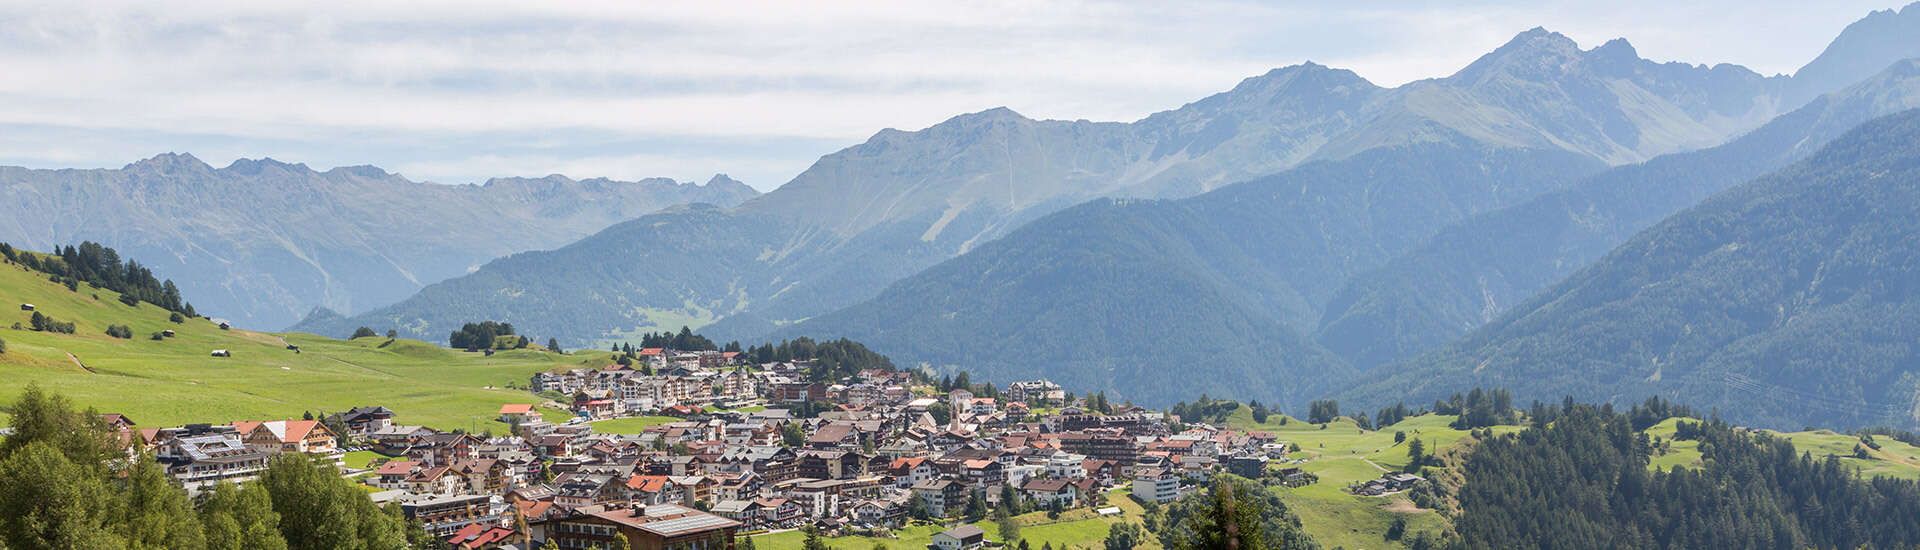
(620, 541)
(1398, 528)
(1323, 411)
(1124, 536)
(1416, 455)
(51, 502)
(42, 417)
(319, 509)
(240, 517)
(976, 505)
(553, 345)
(392, 334)
(176, 318)
(813, 542)
(157, 513)
(746, 543)
(3, 345)
(1009, 529)
(364, 332)
(792, 435)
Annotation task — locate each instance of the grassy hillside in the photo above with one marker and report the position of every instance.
(176, 381)
(1893, 459)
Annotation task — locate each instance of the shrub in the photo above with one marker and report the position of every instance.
(177, 318)
(129, 300)
(3, 346)
(120, 331)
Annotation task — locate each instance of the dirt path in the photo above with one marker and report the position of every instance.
(1375, 466)
(83, 366)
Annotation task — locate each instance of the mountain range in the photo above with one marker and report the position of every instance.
(1407, 227)
(865, 217)
(262, 242)
(1305, 233)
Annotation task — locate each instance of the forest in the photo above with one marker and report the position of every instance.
(100, 266)
(1578, 478)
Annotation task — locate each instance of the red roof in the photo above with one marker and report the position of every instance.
(478, 535)
(651, 484)
(396, 468)
(516, 408)
(652, 351)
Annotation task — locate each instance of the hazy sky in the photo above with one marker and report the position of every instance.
(456, 92)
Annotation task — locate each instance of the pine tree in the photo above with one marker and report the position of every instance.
(553, 345)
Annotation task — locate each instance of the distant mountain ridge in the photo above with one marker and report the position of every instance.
(262, 242)
(872, 214)
(1343, 293)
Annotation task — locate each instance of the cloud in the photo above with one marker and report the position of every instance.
(450, 91)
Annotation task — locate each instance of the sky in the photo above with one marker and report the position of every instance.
(458, 92)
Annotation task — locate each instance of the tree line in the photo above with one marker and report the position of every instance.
(101, 267)
(67, 482)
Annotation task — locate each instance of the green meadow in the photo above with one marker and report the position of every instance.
(176, 380)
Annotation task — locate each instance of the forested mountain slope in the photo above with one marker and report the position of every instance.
(1471, 272)
(1157, 300)
(1787, 301)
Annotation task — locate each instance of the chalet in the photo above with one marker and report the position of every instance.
(519, 413)
(965, 537)
(432, 480)
(911, 471)
(882, 512)
(1051, 491)
(289, 436)
(26, 307)
(575, 491)
(394, 473)
(222, 353)
(651, 489)
(366, 420)
(984, 473)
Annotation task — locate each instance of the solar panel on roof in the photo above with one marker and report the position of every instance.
(679, 526)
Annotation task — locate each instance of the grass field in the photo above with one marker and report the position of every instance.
(1893, 459)
(1076, 529)
(175, 381)
(1342, 454)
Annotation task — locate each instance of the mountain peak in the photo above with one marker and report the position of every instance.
(169, 162)
(724, 180)
(252, 166)
(1531, 55)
